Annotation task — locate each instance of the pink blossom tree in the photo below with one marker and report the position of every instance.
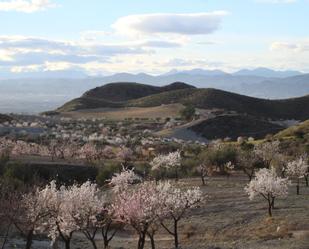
(139, 208)
(125, 154)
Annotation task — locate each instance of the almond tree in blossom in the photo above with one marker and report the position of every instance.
(75, 208)
(59, 223)
(139, 208)
(270, 186)
(33, 209)
(9, 209)
(121, 181)
(83, 205)
(203, 169)
(297, 169)
(108, 224)
(268, 152)
(171, 161)
(249, 162)
(174, 204)
(89, 152)
(125, 154)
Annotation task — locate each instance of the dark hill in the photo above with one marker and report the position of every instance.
(117, 94)
(122, 91)
(294, 108)
(234, 126)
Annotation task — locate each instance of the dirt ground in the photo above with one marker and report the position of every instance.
(227, 220)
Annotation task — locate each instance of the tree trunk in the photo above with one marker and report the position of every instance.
(307, 181)
(273, 202)
(67, 243)
(106, 238)
(269, 208)
(29, 239)
(176, 175)
(203, 180)
(176, 234)
(152, 241)
(297, 187)
(6, 236)
(141, 240)
(93, 244)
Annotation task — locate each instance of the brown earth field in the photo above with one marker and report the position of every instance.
(164, 111)
(226, 220)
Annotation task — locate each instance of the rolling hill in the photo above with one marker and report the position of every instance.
(117, 95)
(139, 95)
(294, 108)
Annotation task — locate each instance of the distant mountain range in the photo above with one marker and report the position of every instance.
(40, 94)
(260, 72)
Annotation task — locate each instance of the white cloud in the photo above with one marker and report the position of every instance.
(162, 23)
(19, 50)
(290, 46)
(26, 6)
(30, 54)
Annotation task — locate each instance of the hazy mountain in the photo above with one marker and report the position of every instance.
(266, 72)
(196, 71)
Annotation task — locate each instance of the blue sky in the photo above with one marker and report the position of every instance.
(103, 36)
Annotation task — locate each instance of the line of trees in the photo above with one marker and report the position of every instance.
(59, 212)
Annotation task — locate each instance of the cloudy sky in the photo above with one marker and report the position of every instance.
(108, 36)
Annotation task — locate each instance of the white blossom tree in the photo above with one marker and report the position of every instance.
(174, 204)
(84, 205)
(171, 161)
(120, 181)
(267, 151)
(33, 210)
(270, 186)
(203, 169)
(297, 169)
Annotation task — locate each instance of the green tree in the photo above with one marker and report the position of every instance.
(188, 112)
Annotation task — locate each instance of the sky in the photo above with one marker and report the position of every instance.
(101, 37)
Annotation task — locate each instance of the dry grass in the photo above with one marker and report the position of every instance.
(163, 111)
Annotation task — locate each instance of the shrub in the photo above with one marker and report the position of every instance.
(106, 171)
(188, 112)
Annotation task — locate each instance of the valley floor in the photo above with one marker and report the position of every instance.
(227, 220)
